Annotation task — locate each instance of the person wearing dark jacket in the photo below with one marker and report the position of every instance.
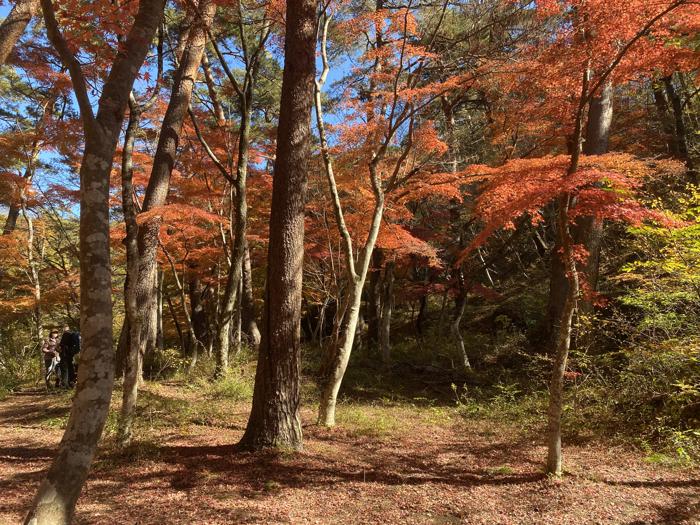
(68, 348)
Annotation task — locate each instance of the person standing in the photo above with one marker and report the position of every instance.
(49, 351)
(68, 348)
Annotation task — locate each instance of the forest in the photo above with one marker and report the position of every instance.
(350, 261)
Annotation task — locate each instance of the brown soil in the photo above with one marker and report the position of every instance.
(426, 469)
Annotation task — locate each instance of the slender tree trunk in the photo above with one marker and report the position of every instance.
(340, 356)
(16, 206)
(387, 307)
(274, 419)
(200, 325)
(143, 295)
(233, 282)
(588, 231)
(122, 349)
(12, 28)
(160, 341)
(349, 312)
(183, 343)
(680, 131)
(455, 330)
(55, 500)
(248, 313)
(133, 359)
(374, 298)
(563, 333)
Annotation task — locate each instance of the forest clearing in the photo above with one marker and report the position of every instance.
(387, 461)
(350, 261)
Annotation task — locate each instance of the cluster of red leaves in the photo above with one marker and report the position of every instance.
(605, 187)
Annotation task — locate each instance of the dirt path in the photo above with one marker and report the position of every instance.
(422, 471)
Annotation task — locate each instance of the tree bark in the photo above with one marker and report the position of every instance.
(55, 500)
(387, 307)
(681, 134)
(274, 419)
(12, 28)
(563, 334)
(588, 231)
(248, 313)
(374, 298)
(144, 332)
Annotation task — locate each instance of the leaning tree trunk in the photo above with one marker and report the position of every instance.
(14, 25)
(340, 353)
(274, 419)
(156, 193)
(55, 500)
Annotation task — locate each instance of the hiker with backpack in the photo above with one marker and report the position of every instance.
(69, 347)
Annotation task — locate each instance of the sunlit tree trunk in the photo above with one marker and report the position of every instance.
(274, 419)
(15, 23)
(55, 500)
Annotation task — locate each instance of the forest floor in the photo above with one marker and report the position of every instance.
(386, 462)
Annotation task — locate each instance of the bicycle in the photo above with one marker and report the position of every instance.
(53, 370)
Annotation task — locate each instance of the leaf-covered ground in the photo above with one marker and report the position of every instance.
(383, 464)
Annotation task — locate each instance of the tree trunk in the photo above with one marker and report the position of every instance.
(374, 298)
(200, 325)
(13, 26)
(340, 356)
(681, 134)
(160, 342)
(563, 330)
(274, 419)
(248, 314)
(587, 231)
(387, 307)
(122, 349)
(132, 360)
(460, 305)
(144, 332)
(55, 500)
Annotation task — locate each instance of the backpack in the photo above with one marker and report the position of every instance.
(72, 343)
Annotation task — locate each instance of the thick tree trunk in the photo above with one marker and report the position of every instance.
(274, 419)
(55, 500)
(13, 26)
(387, 307)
